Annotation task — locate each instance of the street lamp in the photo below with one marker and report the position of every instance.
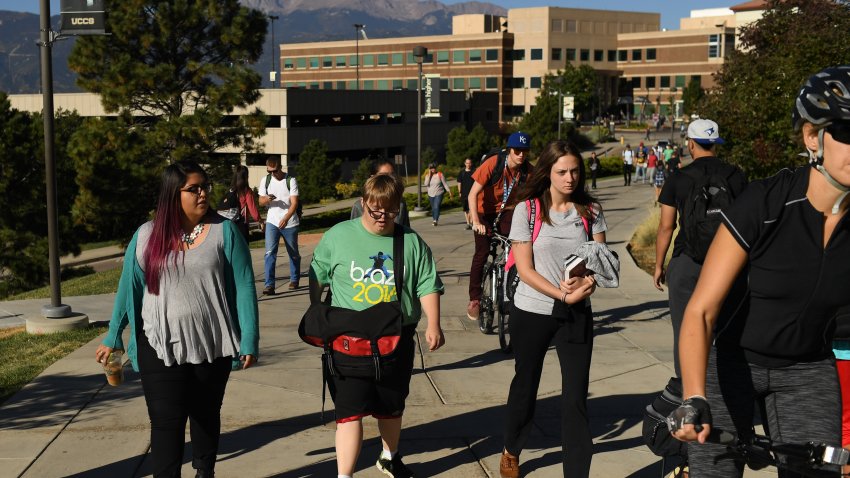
(673, 90)
(559, 80)
(358, 27)
(419, 54)
(274, 68)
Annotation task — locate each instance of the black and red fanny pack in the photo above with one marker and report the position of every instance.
(360, 343)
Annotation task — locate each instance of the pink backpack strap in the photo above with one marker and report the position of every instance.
(587, 224)
(535, 230)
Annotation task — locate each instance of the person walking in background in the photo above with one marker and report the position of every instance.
(651, 163)
(382, 166)
(464, 184)
(279, 191)
(184, 340)
(352, 245)
(437, 187)
(240, 201)
(549, 309)
(628, 164)
(595, 165)
(641, 164)
(495, 181)
(676, 199)
(658, 177)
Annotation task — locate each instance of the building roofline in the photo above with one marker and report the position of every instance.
(749, 6)
(397, 40)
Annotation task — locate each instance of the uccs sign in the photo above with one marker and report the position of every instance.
(83, 17)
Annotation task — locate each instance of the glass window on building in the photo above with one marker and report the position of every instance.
(680, 81)
(397, 84)
(443, 56)
(475, 83)
(571, 54)
(571, 26)
(368, 60)
(459, 56)
(650, 82)
(383, 85)
(492, 54)
(557, 26)
(534, 82)
(368, 85)
(585, 55)
(383, 59)
(351, 85)
(398, 58)
(536, 53)
(288, 64)
(612, 55)
(314, 85)
(556, 54)
(636, 82)
(340, 85)
(622, 55)
(665, 82)
(714, 46)
(637, 55)
(491, 83)
(696, 79)
(474, 56)
(519, 82)
(412, 84)
(411, 60)
(650, 54)
(301, 63)
(327, 62)
(327, 85)
(444, 84)
(598, 55)
(352, 60)
(340, 61)
(519, 55)
(301, 84)
(314, 62)
(458, 84)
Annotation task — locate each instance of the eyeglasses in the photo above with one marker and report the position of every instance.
(520, 150)
(840, 132)
(379, 214)
(196, 189)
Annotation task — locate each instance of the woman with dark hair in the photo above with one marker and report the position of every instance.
(187, 292)
(437, 187)
(548, 309)
(241, 198)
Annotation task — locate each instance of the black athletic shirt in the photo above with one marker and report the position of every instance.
(796, 286)
(677, 187)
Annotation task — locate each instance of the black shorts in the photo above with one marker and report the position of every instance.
(355, 398)
(464, 198)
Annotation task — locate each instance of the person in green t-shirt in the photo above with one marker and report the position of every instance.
(351, 260)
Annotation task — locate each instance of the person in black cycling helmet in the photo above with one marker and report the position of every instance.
(789, 234)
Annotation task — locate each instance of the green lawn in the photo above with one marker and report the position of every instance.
(23, 356)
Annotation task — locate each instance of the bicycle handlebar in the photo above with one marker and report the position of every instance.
(813, 453)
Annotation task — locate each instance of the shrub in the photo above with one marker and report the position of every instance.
(347, 190)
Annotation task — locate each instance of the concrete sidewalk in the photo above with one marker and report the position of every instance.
(68, 422)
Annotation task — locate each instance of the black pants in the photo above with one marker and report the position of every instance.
(531, 335)
(593, 173)
(627, 174)
(173, 394)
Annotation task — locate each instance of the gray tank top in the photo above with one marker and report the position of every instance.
(189, 321)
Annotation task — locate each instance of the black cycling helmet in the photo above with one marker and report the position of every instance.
(824, 98)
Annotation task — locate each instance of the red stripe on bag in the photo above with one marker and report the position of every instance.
(360, 347)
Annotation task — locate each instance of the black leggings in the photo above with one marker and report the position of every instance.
(802, 404)
(531, 335)
(173, 394)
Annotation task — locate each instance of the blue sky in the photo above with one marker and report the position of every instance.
(670, 11)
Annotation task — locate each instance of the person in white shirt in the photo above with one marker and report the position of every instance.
(279, 192)
(628, 161)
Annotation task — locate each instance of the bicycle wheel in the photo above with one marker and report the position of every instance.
(503, 314)
(488, 304)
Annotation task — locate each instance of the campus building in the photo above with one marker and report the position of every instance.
(354, 125)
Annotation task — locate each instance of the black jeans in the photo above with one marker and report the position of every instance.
(531, 335)
(173, 394)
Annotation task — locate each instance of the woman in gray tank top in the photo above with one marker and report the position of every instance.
(187, 292)
(548, 309)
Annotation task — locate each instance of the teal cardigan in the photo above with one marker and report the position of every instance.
(239, 287)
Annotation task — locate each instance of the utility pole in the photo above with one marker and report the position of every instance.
(273, 75)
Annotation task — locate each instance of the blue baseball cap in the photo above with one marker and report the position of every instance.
(519, 140)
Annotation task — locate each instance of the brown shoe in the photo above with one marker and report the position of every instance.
(509, 466)
(473, 309)
(293, 285)
(268, 290)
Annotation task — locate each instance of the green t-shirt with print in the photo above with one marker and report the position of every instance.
(360, 268)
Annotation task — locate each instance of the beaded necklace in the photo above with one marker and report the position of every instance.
(189, 239)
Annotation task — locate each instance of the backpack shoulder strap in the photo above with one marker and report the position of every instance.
(587, 223)
(398, 260)
(268, 181)
(289, 181)
(534, 218)
(498, 170)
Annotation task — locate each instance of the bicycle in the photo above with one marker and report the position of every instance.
(759, 451)
(497, 291)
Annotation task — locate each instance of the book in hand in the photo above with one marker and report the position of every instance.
(574, 266)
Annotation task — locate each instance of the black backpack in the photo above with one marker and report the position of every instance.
(701, 215)
(298, 209)
(230, 207)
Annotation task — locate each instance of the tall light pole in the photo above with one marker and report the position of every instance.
(673, 90)
(358, 27)
(274, 68)
(419, 54)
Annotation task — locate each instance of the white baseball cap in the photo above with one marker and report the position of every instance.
(704, 131)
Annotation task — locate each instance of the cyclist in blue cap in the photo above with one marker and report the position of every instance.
(495, 181)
